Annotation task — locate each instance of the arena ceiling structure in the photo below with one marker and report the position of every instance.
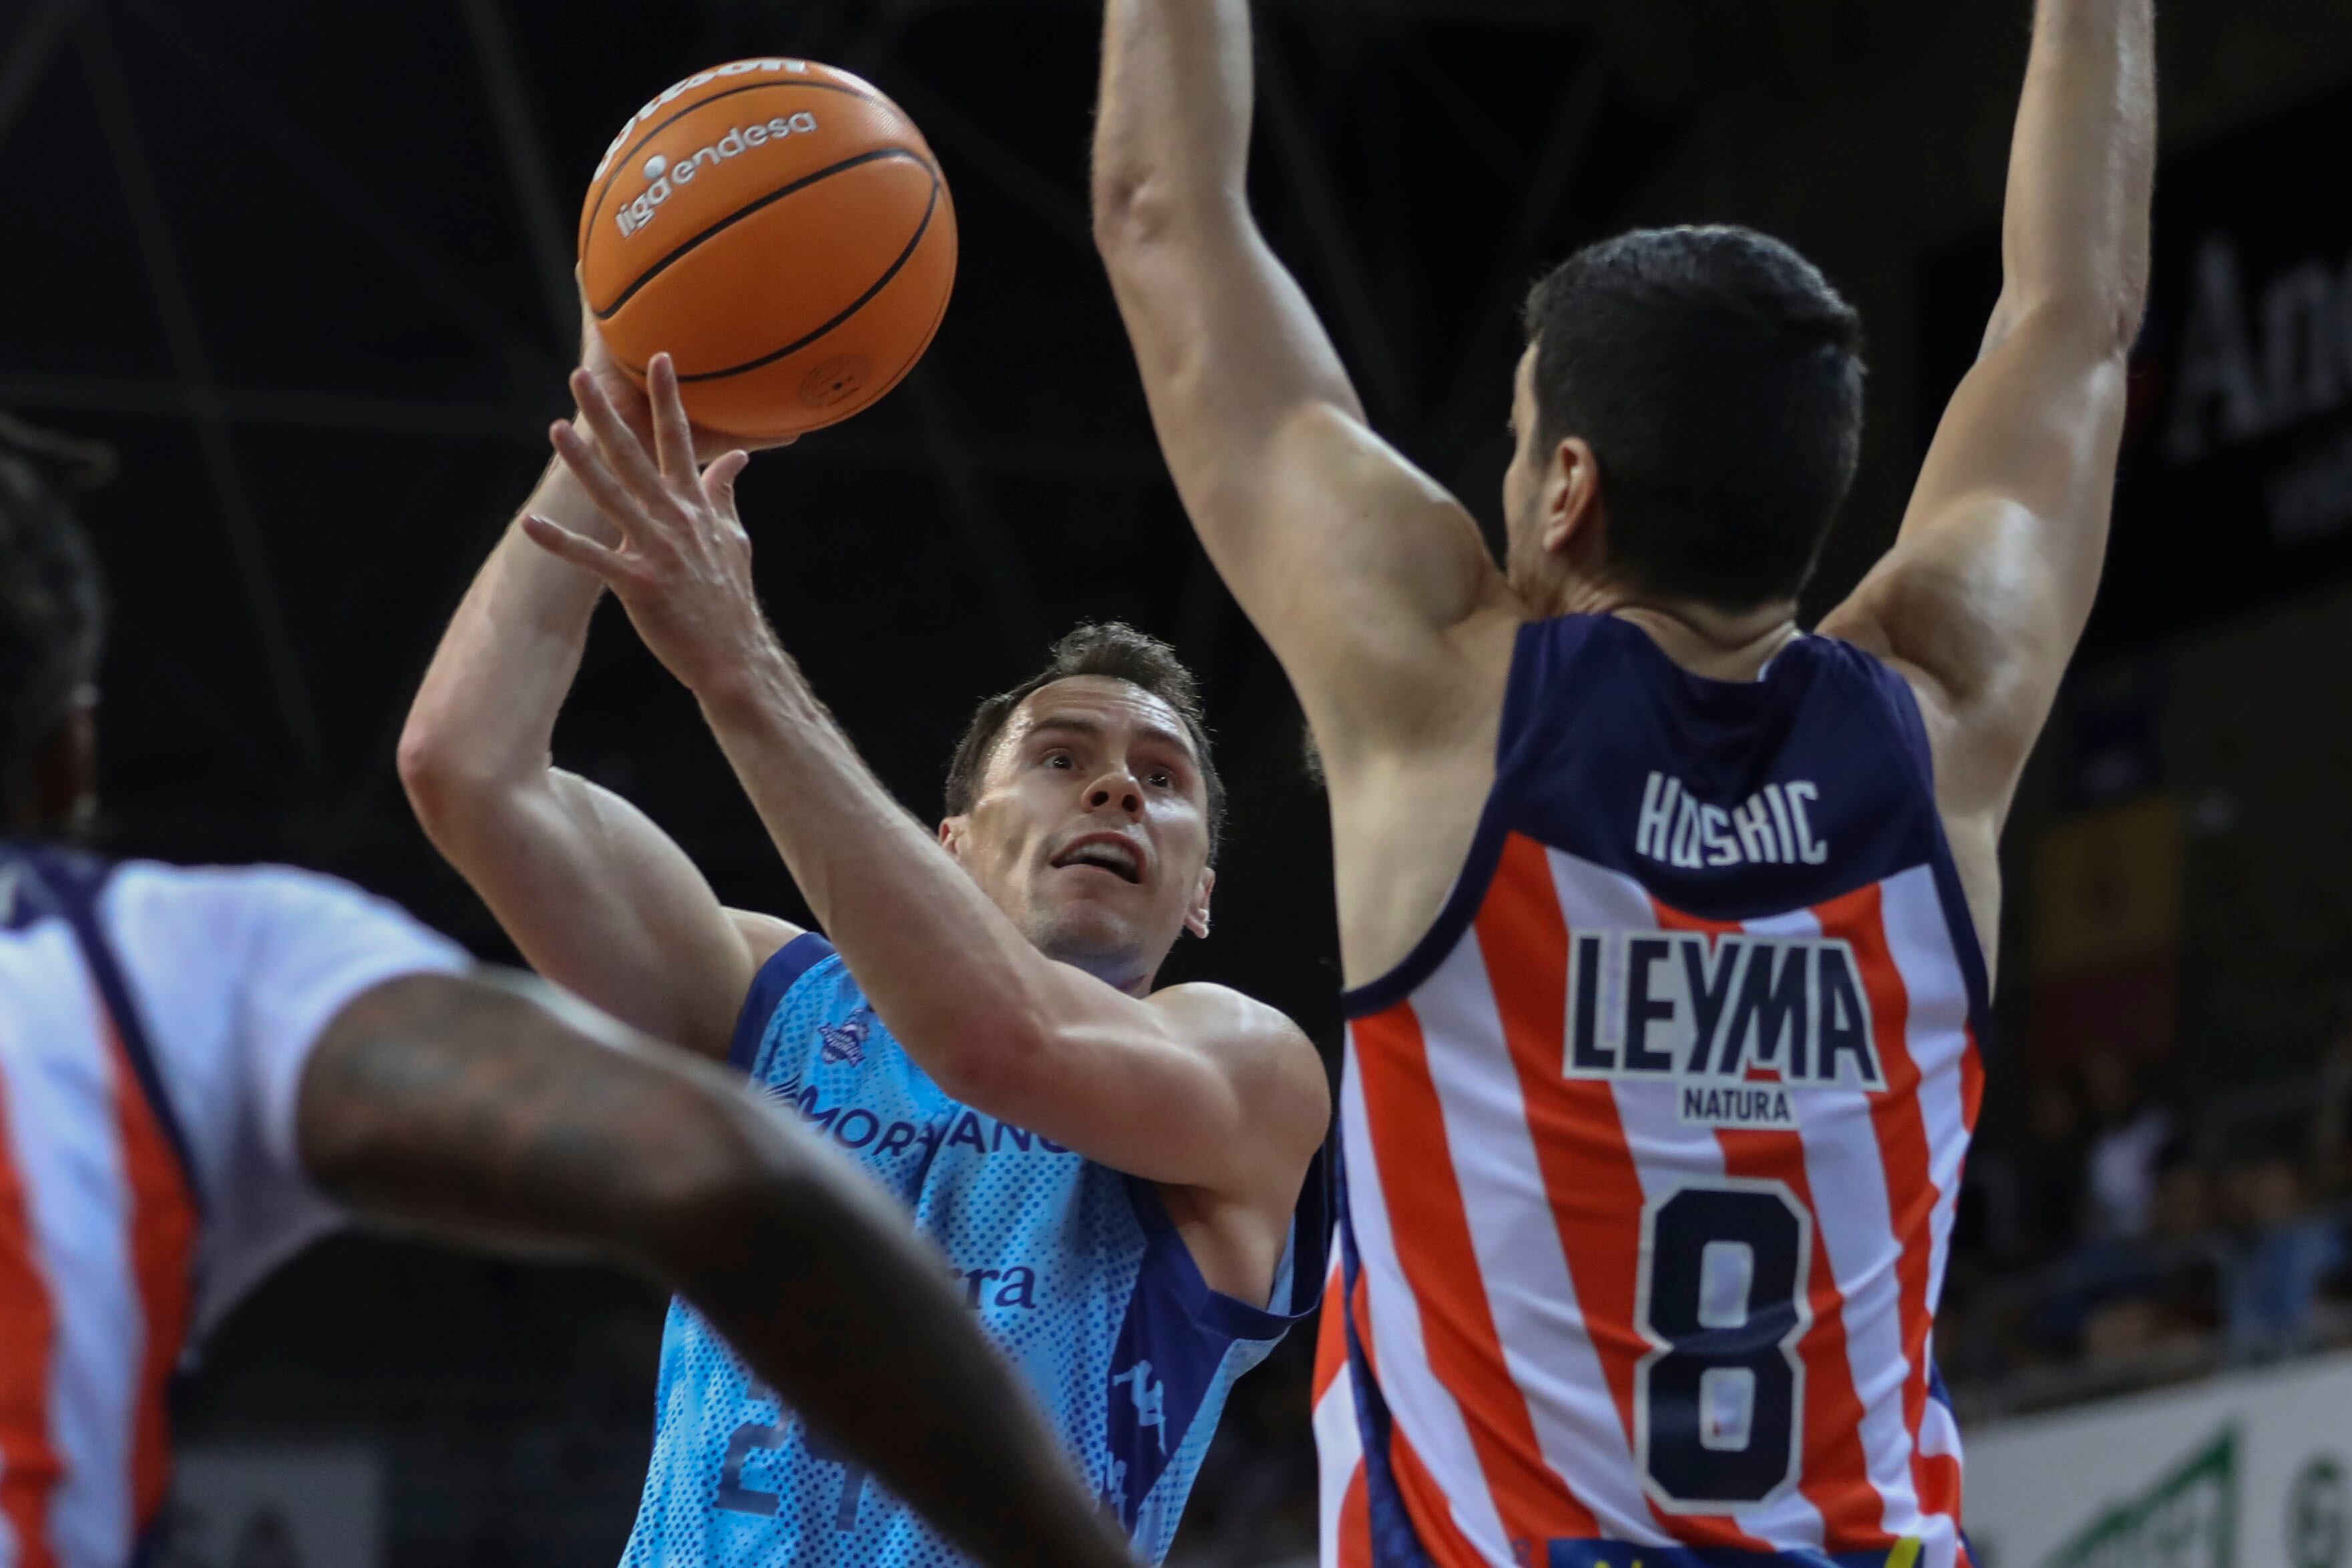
(307, 272)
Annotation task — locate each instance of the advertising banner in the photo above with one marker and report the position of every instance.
(2253, 1471)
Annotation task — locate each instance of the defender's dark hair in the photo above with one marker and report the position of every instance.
(1117, 652)
(1717, 377)
(52, 610)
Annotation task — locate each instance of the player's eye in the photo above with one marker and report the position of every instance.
(1161, 779)
(1060, 760)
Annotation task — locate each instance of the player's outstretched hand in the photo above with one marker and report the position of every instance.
(683, 566)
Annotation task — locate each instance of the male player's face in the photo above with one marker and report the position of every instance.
(1091, 827)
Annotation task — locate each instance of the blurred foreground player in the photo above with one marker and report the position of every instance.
(1660, 915)
(203, 1070)
(1112, 1170)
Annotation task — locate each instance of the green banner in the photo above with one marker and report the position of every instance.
(2187, 1520)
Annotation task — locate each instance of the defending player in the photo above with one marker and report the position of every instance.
(203, 1070)
(1660, 915)
(1111, 1169)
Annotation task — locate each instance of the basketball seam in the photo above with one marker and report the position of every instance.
(879, 154)
(625, 159)
(903, 370)
(859, 304)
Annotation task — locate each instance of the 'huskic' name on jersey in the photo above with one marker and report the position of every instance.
(1651, 1146)
(1074, 1269)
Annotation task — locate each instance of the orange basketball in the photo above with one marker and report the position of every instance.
(782, 230)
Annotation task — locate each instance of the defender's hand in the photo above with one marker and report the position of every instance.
(683, 566)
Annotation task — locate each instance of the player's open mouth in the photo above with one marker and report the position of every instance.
(1107, 852)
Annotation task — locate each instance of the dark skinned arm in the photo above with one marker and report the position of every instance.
(490, 1110)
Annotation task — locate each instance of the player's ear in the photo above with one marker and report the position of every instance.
(953, 834)
(1571, 499)
(1196, 919)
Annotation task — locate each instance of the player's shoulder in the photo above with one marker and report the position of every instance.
(1905, 702)
(1220, 1011)
(259, 890)
(184, 931)
(1268, 1055)
(770, 939)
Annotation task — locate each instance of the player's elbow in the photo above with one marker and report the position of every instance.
(429, 768)
(2095, 318)
(1138, 213)
(447, 784)
(2113, 311)
(1130, 211)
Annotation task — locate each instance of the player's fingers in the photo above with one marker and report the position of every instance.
(589, 465)
(623, 450)
(566, 545)
(673, 434)
(719, 479)
(588, 334)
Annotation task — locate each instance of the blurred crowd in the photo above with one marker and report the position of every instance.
(2123, 1241)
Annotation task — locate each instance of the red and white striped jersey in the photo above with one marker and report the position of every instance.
(153, 1026)
(1651, 1149)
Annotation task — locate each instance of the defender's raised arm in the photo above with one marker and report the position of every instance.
(1351, 562)
(1987, 592)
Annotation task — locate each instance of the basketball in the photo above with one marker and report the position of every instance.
(783, 231)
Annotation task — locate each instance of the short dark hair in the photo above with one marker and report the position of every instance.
(1718, 376)
(1115, 651)
(52, 608)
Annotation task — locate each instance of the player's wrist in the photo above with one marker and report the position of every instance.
(560, 497)
(748, 681)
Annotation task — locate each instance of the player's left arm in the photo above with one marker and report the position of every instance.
(1197, 1086)
(1987, 589)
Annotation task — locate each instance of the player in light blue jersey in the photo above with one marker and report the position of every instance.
(1119, 1177)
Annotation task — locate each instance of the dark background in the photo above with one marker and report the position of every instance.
(305, 269)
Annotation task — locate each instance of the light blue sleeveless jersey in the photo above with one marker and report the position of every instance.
(1072, 1268)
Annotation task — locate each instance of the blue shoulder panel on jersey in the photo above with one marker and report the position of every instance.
(1173, 1343)
(776, 977)
(64, 885)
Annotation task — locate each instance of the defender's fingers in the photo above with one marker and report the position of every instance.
(623, 450)
(673, 433)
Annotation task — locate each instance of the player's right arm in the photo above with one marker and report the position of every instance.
(596, 897)
(483, 1108)
(1352, 563)
(1987, 591)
